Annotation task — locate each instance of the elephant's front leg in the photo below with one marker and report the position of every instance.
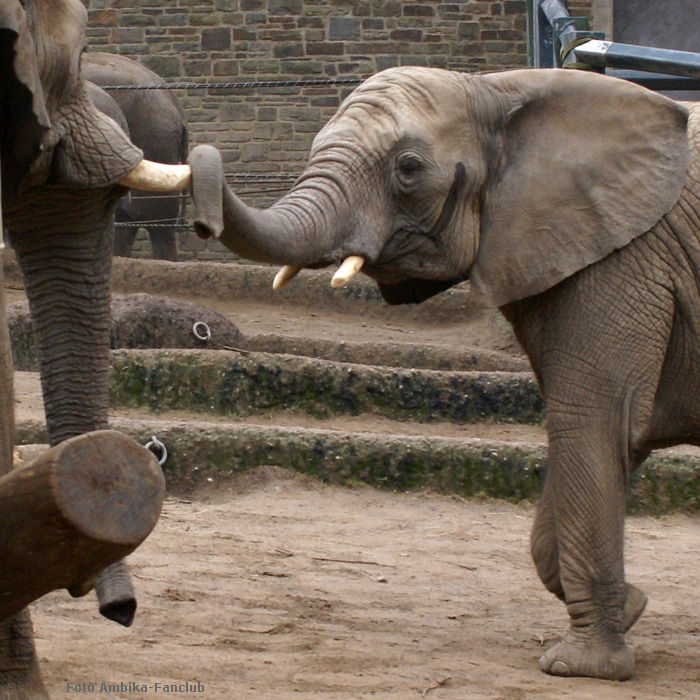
(19, 667)
(20, 677)
(67, 279)
(587, 478)
(545, 554)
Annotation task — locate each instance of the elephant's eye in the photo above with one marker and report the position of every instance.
(409, 164)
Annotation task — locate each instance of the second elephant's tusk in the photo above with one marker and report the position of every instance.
(350, 267)
(284, 275)
(158, 177)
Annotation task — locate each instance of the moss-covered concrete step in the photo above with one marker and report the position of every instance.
(241, 384)
(197, 452)
(419, 356)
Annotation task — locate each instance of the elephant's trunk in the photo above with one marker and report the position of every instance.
(303, 229)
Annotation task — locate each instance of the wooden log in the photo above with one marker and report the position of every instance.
(80, 507)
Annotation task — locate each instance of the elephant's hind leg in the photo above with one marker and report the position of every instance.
(163, 243)
(124, 237)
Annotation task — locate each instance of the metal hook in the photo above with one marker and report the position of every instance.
(201, 331)
(156, 446)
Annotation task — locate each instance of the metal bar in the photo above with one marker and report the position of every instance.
(656, 81)
(606, 54)
(555, 32)
(554, 9)
(541, 33)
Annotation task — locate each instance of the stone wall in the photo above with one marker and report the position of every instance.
(269, 130)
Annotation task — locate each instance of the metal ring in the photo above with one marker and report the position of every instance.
(201, 331)
(155, 444)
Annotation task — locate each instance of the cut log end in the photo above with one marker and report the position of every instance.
(106, 486)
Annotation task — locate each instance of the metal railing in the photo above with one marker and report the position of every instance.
(556, 39)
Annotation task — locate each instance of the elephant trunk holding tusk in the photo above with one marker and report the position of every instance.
(238, 225)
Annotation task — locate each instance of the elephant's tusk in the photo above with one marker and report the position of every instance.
(350, 267)
(158, 177)
(284, 275)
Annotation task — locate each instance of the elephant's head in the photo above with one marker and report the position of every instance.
(426, 177)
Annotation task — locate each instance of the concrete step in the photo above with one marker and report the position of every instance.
(234, 383)
(201, 451)
(387, 354)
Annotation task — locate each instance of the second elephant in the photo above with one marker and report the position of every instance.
(157, 126)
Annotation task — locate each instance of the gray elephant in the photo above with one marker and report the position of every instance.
(64, 166)
(572, 202)
(157, 126)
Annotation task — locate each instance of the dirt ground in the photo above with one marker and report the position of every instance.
(274, 586)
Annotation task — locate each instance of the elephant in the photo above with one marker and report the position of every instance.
(570, 201)
(157, 126)
(64, 165)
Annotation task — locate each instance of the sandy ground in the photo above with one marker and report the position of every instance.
(275, 586)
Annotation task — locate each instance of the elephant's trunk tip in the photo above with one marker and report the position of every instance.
(204, 229)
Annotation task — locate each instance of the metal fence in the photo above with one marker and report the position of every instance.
(556, 39)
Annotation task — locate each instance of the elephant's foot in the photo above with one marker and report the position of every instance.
(32, 689)
(579, 655)
(20, 677)
(635, 603)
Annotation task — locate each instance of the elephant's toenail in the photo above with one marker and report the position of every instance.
(559, 668)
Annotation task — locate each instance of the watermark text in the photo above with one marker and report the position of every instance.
(135, 687)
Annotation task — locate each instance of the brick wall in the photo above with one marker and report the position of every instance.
(270, 130)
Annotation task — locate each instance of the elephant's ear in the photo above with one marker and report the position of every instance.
(583, 164)
(23, 116)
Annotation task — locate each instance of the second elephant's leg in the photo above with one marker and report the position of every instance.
(124, 237)
(163, 243)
